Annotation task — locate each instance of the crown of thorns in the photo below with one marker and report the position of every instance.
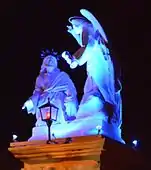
(45, 52)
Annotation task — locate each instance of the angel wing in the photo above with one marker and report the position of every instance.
(94, 22)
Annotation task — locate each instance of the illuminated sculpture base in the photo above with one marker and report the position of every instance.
(84, 127)
(83, 153)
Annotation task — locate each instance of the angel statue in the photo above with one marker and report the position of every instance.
(57, 86)
(101, 96)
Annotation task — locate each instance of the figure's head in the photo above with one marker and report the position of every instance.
(49, 64)
(78, 23)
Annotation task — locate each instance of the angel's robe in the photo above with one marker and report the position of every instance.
(100, 94)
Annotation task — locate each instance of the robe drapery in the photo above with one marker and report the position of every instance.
(99, 89)
(60, 90)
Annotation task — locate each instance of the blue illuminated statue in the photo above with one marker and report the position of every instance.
(56, 86)
(100, 110)
(101, 99)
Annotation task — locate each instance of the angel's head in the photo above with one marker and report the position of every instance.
(78, 23)
(80, 29)
(87, 23)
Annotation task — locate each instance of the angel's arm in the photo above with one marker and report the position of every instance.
(82, 59)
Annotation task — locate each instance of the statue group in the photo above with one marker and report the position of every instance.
(101, 103)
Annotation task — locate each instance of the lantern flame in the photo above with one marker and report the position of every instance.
(47, 115)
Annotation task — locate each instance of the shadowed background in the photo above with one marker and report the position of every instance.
(28, 27)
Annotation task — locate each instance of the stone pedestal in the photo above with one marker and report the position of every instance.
(83, 153)
(79, 127)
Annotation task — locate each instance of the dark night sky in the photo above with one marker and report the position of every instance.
(28, 27)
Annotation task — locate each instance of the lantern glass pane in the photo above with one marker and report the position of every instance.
(54, 113)
(44, 112)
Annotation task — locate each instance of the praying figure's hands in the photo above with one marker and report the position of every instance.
(25, 104)
(29, 106)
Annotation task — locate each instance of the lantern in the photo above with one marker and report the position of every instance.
(48, 113)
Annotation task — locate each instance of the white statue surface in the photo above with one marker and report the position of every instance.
(101, 104)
